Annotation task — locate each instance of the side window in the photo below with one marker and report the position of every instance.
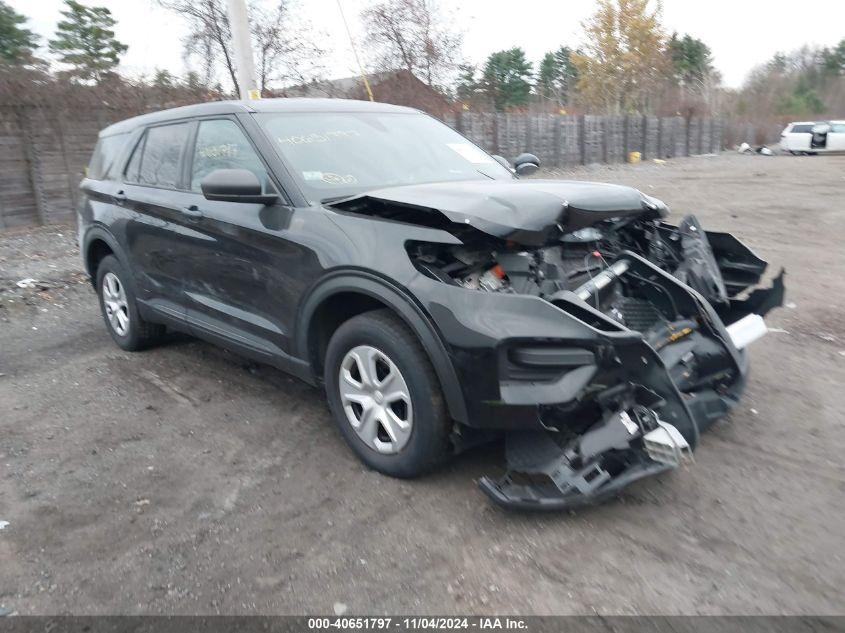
(134, 165)
(839, 128)
(104, 160)
(221, 144)
(156, 160)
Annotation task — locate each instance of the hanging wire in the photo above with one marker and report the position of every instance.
(355, 52)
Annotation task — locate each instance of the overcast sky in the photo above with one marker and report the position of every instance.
(741, 33)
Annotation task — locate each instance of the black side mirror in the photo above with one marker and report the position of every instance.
(526, 164)
(235, 185)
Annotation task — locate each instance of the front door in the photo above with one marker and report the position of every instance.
(243, 280)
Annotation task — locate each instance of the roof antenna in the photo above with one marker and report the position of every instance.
(355, 52)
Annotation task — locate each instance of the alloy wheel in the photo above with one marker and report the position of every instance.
(116, 306)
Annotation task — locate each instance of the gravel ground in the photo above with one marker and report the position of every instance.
(187, 480)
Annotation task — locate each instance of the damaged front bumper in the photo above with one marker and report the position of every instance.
(548, 472)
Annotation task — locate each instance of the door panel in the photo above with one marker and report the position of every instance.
(245, 268)
(154, 225)
(799, 141)
(836, 138)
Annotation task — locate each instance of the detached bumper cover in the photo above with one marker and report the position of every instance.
(543, 474)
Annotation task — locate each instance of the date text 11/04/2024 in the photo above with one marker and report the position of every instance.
(418, 623)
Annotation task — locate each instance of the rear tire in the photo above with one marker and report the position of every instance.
(385, 397)
(120, 312)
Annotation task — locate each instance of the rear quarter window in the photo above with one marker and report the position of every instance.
(103, 165)
(157, 158)
(799, 129)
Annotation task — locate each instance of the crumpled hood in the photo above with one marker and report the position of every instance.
(525, 211)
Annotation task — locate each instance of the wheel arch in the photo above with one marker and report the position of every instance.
(97, 244)
(369, 292)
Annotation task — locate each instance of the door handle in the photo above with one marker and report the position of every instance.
(193, 211)
(119, 197)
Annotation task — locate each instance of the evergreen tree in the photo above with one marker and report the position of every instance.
(85, 40)
(466, 84)
(16, 42)
(557, 76)
(507, 79)
(691, 58)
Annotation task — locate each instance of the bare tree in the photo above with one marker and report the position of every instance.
(210, 36)
(413, 35)
(282, 44)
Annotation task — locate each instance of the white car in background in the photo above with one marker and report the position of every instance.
(812, 137)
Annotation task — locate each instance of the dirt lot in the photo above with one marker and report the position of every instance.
(187, 480)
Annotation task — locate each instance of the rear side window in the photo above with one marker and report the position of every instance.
(157, 158)
(797, 129)
(221, 144)
(839, 128)
(103, 164)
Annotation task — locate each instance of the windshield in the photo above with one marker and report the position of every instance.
(338, 154)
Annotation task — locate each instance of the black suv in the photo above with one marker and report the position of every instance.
(440, 299)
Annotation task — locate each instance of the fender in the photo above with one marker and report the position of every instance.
(99, 232)
(407, 309)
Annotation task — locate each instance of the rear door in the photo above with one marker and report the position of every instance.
(799, 137)
(153, 192)
(836, 137)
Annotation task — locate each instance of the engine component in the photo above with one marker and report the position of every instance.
(601, 280)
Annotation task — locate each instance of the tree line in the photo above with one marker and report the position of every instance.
(624, 62)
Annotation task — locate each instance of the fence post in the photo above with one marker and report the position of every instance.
(496, 148)
(625, 135)
(34, 164)
(645, 136)
(604, 135)
(66, 159)
(529, 135)
(687, 121)
(659, 137)
(556, 139)
(700, 134)
(582, 138)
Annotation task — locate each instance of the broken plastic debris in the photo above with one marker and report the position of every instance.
(339, 608)
(790, 305)
(29, 282)
(3, 525)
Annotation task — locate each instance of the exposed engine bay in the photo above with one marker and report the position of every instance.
(667, 355)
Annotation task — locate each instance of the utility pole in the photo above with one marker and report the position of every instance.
(244, 64)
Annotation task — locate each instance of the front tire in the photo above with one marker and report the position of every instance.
(120, 312)
(385, 397)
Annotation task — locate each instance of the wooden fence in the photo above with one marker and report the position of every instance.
(44, 150)
(561, 141)
(43, 154)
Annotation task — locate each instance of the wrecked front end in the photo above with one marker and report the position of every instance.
(603, 342)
